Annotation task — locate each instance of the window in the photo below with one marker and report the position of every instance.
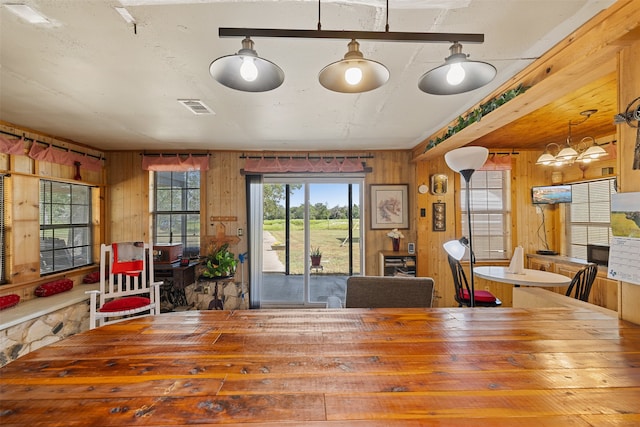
(3, 277)
(177, 210)
(490, 213)
(65, 226)
(589, 216)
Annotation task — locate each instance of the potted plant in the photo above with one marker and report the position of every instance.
(316, 256)
(220, 262)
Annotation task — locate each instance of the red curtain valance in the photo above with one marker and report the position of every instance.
(11, 146)
(283, 165)
(175, 163)
(59, 156)
(497, 162)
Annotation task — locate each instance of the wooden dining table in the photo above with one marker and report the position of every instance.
(335, 367)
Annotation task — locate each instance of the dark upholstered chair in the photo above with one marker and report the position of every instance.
(389, 292)
(580, 286)
(481, 298)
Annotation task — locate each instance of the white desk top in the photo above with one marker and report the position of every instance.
(528, 278)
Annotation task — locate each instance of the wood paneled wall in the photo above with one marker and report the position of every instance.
(628, 89)
(525, 219)
(224, 195)
(22, 210)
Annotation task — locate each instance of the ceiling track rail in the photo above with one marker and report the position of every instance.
(349, 35)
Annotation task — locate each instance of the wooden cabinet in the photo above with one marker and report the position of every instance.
(397, 263)
(604, 291)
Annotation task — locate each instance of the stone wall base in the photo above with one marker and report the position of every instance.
(18, 340)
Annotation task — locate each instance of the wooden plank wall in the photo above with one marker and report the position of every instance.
(22, 209)
(224, 196)
(526, 219)
(628, 89)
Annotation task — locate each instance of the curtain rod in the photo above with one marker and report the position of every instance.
(298, 157)
(175, 154)
(52, 145)
(504, 153)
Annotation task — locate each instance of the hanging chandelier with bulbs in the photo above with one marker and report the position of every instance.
(586, 151)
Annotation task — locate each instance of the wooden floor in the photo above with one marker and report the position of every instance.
(338, 367)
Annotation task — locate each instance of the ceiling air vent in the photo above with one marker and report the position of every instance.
(196, 106)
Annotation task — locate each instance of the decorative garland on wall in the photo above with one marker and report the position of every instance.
(477, 114)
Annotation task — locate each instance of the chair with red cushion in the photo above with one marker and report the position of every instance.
(482, 298)
(124, 293)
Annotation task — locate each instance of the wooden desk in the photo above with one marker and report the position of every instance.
(180, 276)
(336, 367)
(545, 279)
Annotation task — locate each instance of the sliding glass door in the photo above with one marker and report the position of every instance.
(301, 217)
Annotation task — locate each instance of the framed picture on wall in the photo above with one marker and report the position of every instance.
(439, 220)
(389, 206)
(439, 183)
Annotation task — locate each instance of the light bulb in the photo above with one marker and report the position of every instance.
(456, 74)
(353, 75)
(248, 69)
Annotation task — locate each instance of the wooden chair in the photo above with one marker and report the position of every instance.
(389, 292)
(580, 286)
(463, 292)
(129, 289)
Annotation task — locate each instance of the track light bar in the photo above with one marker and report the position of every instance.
(362, 35)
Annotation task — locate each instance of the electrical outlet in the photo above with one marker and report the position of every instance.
(240, 232)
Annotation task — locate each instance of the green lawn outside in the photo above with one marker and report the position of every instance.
(328, 235)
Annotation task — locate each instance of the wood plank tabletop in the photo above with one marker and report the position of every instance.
(335, 367)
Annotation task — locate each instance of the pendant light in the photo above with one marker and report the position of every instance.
(246, 71)
(354, 73)
(457, 75)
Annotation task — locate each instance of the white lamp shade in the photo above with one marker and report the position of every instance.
(455, 249)
(567, 153)
(545, 159)
(466, 158)
(594, 152)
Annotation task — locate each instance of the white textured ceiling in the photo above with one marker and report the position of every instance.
(88, 77)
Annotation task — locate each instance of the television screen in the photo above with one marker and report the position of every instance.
(551, 194)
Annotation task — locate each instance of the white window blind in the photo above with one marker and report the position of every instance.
(589, 216)
(490, 213)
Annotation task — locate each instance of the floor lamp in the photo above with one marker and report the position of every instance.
(466, 161)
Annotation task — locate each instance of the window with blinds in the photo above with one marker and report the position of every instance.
(589, 216)
(490, 213)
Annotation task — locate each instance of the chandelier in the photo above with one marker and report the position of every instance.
(586, 151)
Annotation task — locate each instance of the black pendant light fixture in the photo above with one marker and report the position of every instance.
(246, 71)
(354, 73)
(457, 75)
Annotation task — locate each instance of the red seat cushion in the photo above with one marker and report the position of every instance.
(127, 303)
(480, 296)
(55, 287)
(9, 301)
(92, 277)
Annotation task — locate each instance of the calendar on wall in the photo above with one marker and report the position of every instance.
(625, 244)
